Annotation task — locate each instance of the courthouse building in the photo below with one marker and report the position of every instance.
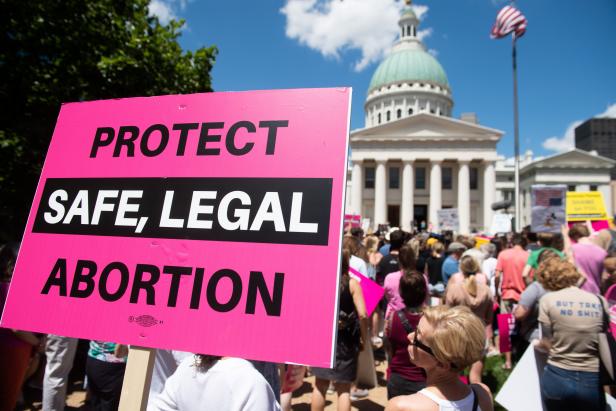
(412, 158)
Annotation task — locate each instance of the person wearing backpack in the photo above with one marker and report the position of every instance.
(404, 377)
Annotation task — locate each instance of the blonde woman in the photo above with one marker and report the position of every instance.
(468, 291)
(371, 244)
(468, 266)
(447, 340)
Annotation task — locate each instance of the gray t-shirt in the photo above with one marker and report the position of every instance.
(576, 318)
(529, 299)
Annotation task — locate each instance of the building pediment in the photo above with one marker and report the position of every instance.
(425, 126)
(573, 159)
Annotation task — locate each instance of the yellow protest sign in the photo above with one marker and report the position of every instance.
(582, 206)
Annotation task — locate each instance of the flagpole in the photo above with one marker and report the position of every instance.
(516, 143)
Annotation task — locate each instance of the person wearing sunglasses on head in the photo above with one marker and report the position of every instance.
(446, 341)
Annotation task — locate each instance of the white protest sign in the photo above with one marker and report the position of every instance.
(448, 219)
(501, 223)
(522, 390)
(548, 208)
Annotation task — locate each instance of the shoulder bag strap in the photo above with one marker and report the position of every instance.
(475, 398)
(405, 322)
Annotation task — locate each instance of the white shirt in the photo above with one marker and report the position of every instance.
(231, 384)
(465, 404)
(165, 364)
(358, 264)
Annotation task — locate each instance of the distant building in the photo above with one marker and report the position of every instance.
(577, 169)
(598, 134)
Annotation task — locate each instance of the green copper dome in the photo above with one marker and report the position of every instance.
(409, 66)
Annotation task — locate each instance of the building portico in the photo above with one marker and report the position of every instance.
(404, 172)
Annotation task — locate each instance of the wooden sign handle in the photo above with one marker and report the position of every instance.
(137, 378)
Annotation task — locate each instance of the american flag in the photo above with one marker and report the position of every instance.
(508, 20)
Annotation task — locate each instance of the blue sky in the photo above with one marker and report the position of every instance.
(566, 60)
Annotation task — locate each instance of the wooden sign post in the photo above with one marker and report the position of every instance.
(137, 378)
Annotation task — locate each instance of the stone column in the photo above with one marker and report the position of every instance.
(464, 197)
(489, 190)
(435, 193)
(357, 184)
(380, 194)
(408, 183)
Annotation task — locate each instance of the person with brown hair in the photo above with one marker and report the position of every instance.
(406, 264)
(570, 320)
(474, 294)
(446, 341)
(404, 377)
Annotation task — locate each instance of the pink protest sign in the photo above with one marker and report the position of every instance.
(207, 223)
(353, 219)
(371, 290)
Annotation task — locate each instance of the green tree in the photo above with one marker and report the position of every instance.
(55, 51)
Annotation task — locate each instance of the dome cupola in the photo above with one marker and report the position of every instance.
(409, 81)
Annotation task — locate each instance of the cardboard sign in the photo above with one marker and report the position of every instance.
(206, 223)
(448, 219)
(371, 290)
(548, 208)
(501, 223)
(352, 219)
(582, 206)
(522, 390)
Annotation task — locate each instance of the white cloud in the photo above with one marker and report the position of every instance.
(166, 10)
(610, 112)
(333, 26)
(567, 141)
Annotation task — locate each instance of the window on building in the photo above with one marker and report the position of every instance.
(414, 31)
(420, 178)
(408, 30)
(388, 115)
(379, 117)
(410, 111)
(474, 178)
(394, 177)
(593, 187)
(446, 178)
(369, 177)
(399, 113)
(571, 188)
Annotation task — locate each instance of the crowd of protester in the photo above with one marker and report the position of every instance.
(435, 323)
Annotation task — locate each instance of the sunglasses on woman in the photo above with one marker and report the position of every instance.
(415, 342)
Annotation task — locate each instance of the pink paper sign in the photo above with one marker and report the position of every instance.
(371, 290)
(353, 219)
(207, 223)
